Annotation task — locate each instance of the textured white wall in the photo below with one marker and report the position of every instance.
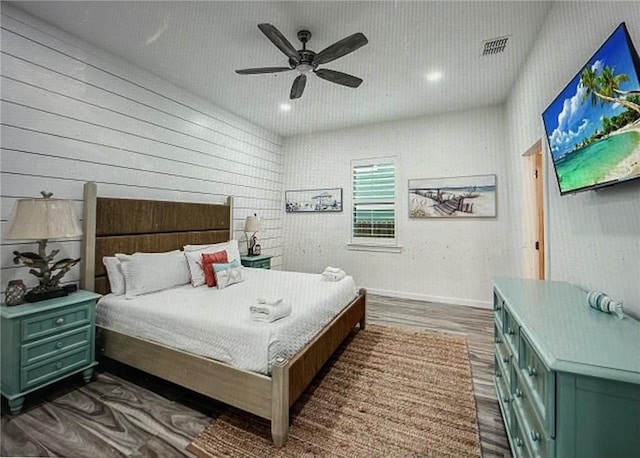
(447, 260)
(593, 238)
(72, 113)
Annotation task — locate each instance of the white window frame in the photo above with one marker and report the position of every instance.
(375, 243)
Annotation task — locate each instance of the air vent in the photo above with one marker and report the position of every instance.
(494, 46)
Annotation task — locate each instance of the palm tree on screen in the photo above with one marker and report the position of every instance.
(604, 87)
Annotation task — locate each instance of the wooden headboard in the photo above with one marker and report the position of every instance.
(114, 225)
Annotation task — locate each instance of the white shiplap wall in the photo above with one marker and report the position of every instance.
(72, 113)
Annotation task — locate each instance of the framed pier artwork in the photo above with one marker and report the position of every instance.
(453, 197)
(314, 200)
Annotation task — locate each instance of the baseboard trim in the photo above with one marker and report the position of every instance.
(430, 298)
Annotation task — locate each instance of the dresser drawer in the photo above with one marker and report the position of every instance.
(504, 360)
(531, 426)
(519, 446)
(510, 330)
(537, 380)
(39, 373)
(503, 392)
(56, 321)
(498, 307)
(59, 343)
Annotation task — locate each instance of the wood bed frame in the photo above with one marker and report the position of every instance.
(128, 225)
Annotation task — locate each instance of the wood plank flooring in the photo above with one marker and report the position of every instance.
(124, 412)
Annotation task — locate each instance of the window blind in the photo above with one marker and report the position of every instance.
(374, 194)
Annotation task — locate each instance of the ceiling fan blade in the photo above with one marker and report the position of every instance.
(280, 41)
(298, 87)
(256, 71)
(338, 77)
(340, 48)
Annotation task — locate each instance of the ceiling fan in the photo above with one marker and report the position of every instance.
(306, 61)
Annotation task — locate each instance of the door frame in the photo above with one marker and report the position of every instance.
(534, 211)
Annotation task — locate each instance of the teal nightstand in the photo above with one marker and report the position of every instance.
(46, 341)
(262, 261)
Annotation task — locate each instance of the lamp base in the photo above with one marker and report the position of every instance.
(33, 296)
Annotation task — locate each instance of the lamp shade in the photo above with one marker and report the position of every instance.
(40, 219)
(252, 224)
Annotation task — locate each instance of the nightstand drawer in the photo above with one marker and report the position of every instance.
(256, 262)
(262, 264)
(37, 374)
(56, 321)
(60, 343)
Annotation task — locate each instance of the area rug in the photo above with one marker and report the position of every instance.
(385, 392)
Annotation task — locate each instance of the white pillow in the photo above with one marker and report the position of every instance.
(114, 274)
(231, 246)
(149, 272)
(193, 254)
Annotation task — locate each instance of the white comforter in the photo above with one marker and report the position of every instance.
(217, 324)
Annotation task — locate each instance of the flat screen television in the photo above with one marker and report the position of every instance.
(593, 125)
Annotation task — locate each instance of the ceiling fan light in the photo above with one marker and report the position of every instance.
(434, 76)
(304, 69)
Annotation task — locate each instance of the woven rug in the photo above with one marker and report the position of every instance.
(385, 392)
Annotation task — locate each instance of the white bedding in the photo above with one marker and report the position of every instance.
(217, 324)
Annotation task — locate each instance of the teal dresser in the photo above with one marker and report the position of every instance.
(46, 341)
(567, 376)
(262, 261)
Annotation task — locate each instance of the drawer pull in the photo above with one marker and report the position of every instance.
(498, 340)
(498, 308)
(59, 321)
(498, 374)
(519, 442)
(518, 393)
(506, 400)
(532, 371)
(510, 331)
(505, 359)
(59, 365)
(535, 436)
(59, 344)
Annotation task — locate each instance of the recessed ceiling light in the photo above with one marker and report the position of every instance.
(433, 76)
(285, 107)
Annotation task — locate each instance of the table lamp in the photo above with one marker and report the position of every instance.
(252, 225)
(43, 220)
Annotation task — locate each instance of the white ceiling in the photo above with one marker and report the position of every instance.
(198, 45)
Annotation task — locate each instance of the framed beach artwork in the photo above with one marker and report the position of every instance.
(453, 197)
(313, 200)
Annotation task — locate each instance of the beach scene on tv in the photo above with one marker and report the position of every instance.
(593, 126)
(471, 196)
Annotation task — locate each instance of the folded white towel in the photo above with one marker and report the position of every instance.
(269, 301)
(333, 270)
(333, 276)
(269, 313)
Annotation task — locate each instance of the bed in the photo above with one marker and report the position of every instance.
(115, 225)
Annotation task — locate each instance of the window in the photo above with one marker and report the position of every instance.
(374, 202)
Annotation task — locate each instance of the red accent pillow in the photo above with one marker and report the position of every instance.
(207, 260)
